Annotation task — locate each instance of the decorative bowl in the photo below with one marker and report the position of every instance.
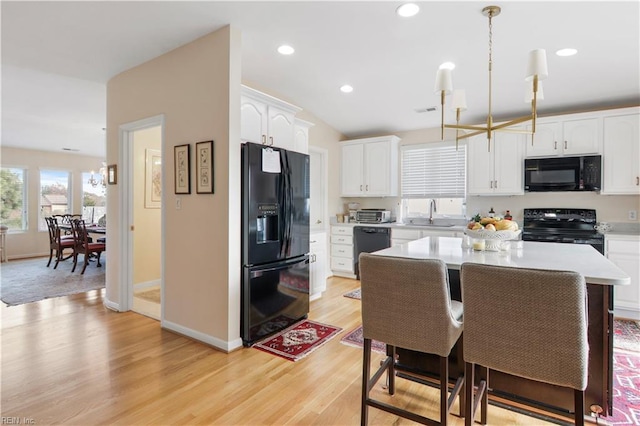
(493, 235)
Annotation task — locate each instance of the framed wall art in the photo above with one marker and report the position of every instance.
(112, 174)
(182, 164)
(153, 179)
(204, 167)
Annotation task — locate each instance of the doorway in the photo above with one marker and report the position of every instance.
(142, 217)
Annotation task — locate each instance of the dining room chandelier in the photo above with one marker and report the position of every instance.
(536, 71)
(102, 174)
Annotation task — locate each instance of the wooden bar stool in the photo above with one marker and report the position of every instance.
(526, 322)
(406, 303)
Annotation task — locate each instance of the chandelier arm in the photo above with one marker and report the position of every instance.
(512, 122)
(465, 127)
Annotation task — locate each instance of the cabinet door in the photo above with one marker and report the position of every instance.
(281, 128)
(627, 296)
(508, 164)
(479, 166)
(621, 174)
(318, 263)
(580, 137)
(546, 141)
(253, 120)
(377, 180)
(352, 170)
(301, 139)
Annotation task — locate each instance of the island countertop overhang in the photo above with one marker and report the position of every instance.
(580, 258)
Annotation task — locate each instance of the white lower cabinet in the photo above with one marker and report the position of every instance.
(317, 264)
(624, 251)
(342, 251)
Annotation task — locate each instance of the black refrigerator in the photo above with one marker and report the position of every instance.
(275, 240)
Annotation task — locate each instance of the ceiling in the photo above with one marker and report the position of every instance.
(58, 56)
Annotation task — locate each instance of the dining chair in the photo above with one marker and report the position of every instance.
(406, 303)
(58, 242)
(84, 246)
(529, 323)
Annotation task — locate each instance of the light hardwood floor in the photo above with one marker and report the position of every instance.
(71, 361)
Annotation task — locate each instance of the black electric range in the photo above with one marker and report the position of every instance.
(571, 226)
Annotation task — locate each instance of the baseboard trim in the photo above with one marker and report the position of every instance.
(111, 305)
(202, 337)
(146, 284)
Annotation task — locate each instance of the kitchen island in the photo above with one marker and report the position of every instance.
(601, 276)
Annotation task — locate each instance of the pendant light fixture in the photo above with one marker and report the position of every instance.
(536, 71)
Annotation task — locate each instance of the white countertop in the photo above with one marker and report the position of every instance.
(581, 258)
(457, 228)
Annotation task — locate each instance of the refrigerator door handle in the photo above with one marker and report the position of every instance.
(279, 264)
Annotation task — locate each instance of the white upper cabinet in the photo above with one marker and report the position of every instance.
(574, 134)
(370, 167)
(268, 120)
(499, 171)
(621, 168)
(301, 135)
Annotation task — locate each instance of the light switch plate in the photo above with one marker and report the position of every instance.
(178, 203)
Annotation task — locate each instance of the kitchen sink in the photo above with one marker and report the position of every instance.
(437, 223)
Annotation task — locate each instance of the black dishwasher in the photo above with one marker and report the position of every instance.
(368, 239)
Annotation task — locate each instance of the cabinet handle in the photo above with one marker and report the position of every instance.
(271, 140)
(565, 144)
(496, 184)
(637, 181)
(367, 188)
(314, 241)
(264, 139)
(318, 221)
(360, 187)
(490, 184)
(555, 144)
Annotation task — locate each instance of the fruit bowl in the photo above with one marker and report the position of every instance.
(485, 234)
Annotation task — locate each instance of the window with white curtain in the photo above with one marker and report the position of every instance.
(434, 171)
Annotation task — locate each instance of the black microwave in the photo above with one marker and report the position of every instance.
(563, 174)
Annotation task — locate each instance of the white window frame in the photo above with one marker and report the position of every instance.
(418, 170)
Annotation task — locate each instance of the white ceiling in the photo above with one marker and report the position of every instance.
(58, 56)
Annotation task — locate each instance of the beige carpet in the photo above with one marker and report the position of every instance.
(25, 281)
(152, 295)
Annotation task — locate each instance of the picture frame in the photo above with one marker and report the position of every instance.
(204, 168)
(112, 174)
(182, 169)
(153, 179)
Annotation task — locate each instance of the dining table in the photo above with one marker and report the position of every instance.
(601, 277)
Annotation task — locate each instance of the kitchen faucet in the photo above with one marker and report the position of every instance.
(432, 210)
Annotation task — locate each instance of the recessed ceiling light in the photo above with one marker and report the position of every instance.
(286, 50)
(346, 89)
(447, 66)
(567, 52)
(408, 10)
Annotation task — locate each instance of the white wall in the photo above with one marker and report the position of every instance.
(33, 242)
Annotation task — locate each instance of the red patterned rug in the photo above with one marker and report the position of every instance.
(299, 340)
(626, 373)
(355, 294)
(355, 339)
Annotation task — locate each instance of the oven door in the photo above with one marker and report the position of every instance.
(552, 174)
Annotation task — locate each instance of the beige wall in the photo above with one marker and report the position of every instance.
(33, 242)
(147, 237)
(194, 87)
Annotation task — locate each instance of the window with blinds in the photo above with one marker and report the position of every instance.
(435, 170)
